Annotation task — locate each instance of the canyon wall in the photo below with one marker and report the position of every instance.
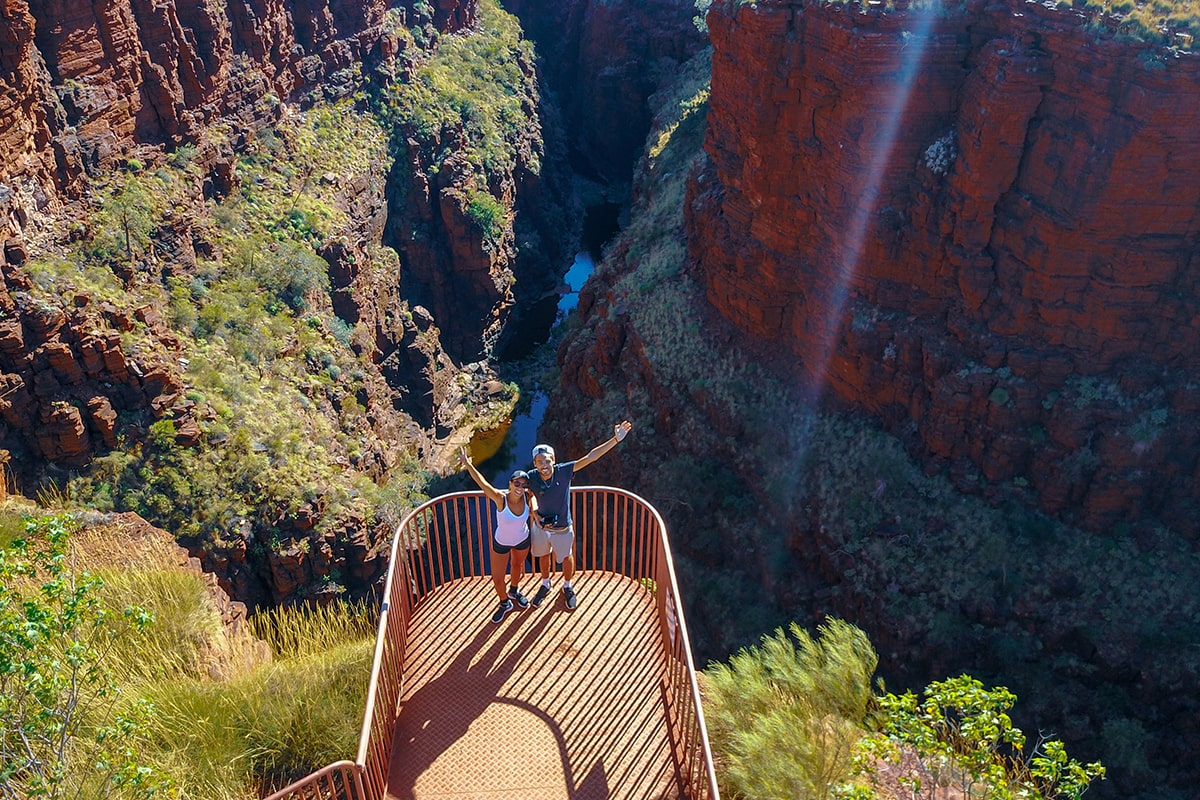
(84, 84)
(604, 59)
(83, 88)
(473, 280)
(979, 225)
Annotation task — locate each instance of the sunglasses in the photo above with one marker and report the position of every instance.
(521, 484)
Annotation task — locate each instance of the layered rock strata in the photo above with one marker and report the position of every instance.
(83, 84)
(978, 225)
(66, 380)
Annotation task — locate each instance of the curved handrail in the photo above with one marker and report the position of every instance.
(339, 779)
(444, 539)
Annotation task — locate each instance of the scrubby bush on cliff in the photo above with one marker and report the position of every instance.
(796, 718)
(262, 726)
(784, 717)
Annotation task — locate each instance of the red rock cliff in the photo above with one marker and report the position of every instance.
(81, 83)
(981, 226)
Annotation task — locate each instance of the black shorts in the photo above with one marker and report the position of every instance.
(502, 549)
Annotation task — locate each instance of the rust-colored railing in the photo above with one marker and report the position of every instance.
(446, 539)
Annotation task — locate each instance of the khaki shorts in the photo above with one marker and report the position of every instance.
(542, 542)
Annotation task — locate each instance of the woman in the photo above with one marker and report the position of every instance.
(510, 538)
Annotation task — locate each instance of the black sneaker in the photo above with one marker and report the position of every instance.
(569, 594)
(540, 596)
(504, 607)
(515, 595)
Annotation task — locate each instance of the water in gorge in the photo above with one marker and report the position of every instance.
(498, 452)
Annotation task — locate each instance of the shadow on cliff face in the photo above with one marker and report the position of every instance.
(603, 61)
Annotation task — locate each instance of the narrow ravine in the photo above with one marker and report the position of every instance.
(506, 448)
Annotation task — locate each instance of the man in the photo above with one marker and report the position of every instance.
(552, 530)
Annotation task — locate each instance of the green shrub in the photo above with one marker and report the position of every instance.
(963, 737)
(177, 707)
(489, 216)
(66, 729)
(784, 717)
(796, 718)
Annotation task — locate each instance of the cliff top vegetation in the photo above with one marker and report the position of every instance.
(1170, 23)
(142, 690)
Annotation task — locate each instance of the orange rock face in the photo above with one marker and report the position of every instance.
(82, 83)
(982, 224)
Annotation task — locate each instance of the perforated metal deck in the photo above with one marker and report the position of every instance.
(549, 704)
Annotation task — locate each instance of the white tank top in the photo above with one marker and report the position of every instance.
(511, 529)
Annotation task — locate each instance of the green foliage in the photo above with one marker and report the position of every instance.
(1173, 23)
(64, 277)
(963, 736)
(477, 83)
(298, 633)
(65, 730)
(784, 716)
(490, 216)
(265, 725)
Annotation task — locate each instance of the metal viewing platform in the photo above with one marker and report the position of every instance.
(596, 702)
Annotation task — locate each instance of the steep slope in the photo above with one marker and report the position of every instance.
(245, 327)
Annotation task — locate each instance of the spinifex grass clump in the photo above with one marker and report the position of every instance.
(245, 736)
(784, 717)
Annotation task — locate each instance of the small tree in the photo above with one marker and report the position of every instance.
(961, 735)
(127, 219)
(64, 730)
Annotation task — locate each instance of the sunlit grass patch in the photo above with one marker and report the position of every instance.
(242, 737)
